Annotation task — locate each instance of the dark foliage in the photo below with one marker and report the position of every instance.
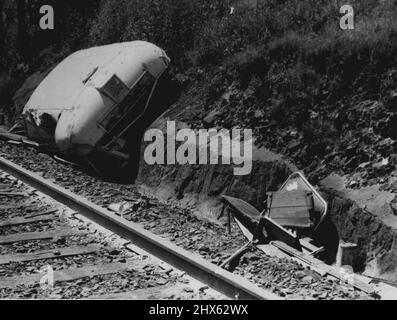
(284, 66)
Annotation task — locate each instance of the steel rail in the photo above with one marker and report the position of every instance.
(223, 281)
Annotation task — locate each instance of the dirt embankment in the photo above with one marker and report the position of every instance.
(365, 216)
(377, 248)
(361, 216)
(200, 186)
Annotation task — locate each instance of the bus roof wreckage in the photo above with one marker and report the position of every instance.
(90, 100)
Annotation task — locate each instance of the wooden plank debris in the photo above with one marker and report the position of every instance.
(306, 244)
(243, 207)
(236, 254)
(290, 199)
(249, 217)
(322, 268)
(291, 208)
(291, 217)
(245, 214)
(49, 254)
(5, 135)
(302, 257)
(277, 232)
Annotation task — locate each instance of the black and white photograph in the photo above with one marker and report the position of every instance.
(205, 152)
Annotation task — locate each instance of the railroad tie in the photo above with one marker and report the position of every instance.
(49, 254)
(21, 220)
(64, 275)
(28, 236)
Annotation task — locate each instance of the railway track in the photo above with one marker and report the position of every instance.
(56, 244)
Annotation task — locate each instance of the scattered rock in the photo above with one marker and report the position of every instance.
(307, 279)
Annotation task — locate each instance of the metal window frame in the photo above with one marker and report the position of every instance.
(110, 94)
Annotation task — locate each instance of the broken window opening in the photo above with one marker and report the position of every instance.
(114, 88)
(90, 74)
(129, 109)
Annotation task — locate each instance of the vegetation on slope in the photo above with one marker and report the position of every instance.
(284, 68)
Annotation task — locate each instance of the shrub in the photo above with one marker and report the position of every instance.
(171, 24)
